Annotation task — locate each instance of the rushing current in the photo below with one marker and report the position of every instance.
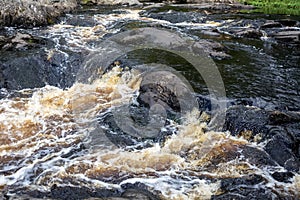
(52, 136)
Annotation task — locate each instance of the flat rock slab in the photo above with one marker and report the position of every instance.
(293, 36)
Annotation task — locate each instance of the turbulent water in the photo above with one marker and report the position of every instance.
(51, 137)
(43, 136)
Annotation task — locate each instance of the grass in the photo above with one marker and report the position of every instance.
(289, 7)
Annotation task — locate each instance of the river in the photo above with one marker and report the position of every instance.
(64, 132)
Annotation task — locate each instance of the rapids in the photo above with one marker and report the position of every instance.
(51, 138)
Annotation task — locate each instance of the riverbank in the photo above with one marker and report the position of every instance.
(32, 13)
(289, 7)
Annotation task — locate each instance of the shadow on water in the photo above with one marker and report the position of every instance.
(262, 70)
(265, 73)
(147, 56)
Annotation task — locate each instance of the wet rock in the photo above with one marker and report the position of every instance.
(177, 17)
(247, 187)
(283, 176)
(280, 148)
(239, 119)
(281, 130)
(250, 33)
(66, 193)
(139, 194)
(109, 2)
(257, 157)
(135, 190)
(288, 36)
(158, 94)
(28, 13)
(21, 41)
(135, 139)
(271, 24)
(214, 49)
(288, 22)
(36, 69)
(211, 33)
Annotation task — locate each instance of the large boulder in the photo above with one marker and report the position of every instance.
(37, 68)
(278, 130)
(28, 13)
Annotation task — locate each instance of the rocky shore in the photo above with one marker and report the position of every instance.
(31, 13)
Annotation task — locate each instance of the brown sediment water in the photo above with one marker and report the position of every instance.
(45, 138)
(37, 131)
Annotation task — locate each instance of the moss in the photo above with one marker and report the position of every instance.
(50, 20)
(290, 7)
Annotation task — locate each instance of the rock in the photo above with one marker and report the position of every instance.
(109, 2)
(129, 191)
(246, 187)
(250, 33)
(240, 119)
(257, 157)
(280, 130)
(283, 176)
(288, 36)
(211, 33)
(271, 24)
(135, 190)
(288, 22)
(21, 41)
(36, 69)
(280, 148)
(214, 49)
(28, 13)
(68, 193)
(139, 194)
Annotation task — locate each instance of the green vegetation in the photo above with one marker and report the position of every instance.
(290, 7)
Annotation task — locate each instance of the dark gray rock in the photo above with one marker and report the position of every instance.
(109, 2)
(247, 187)
(283, 176)
(35, 69)
(257, 157)
(240, 119)
(271, 24)
(250, 33)
(288, 36)
(129, 191)
(288, 22)
(280, 129)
